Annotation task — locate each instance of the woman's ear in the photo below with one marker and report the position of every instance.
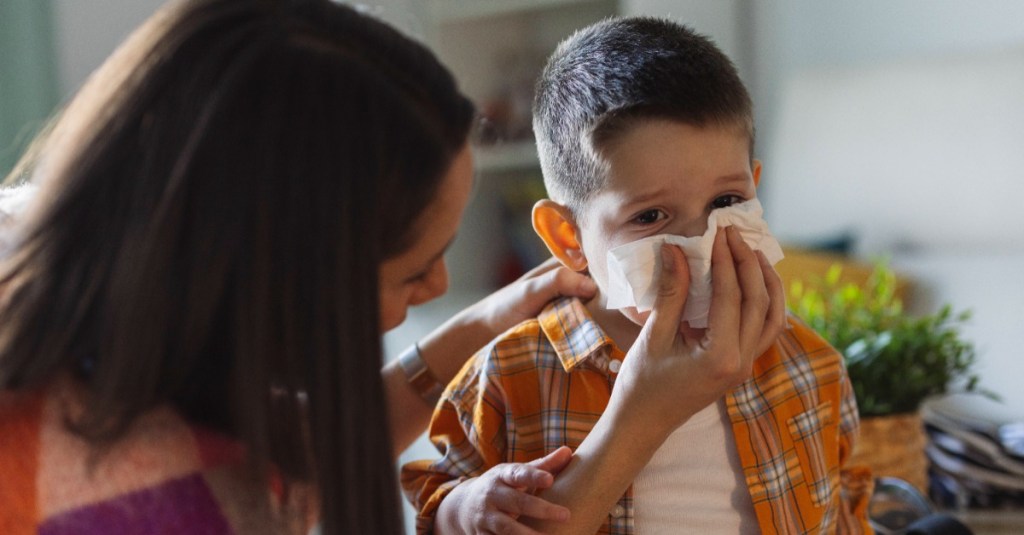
(554, 224)
(757, 172)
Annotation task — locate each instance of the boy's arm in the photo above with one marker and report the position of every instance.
(468, 489)
(494, 501)
(452, 431)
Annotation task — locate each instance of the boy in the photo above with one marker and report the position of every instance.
(644, 128)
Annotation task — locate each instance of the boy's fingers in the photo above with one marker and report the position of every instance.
(521, 475)
(754, 294)
(724, 316)
(776, 317)
(554, 462)
(517, 503)
(673, 283)
(500, 522)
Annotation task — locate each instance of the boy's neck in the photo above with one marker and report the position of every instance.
(619, 328)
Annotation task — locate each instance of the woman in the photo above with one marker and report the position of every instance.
(229, 214)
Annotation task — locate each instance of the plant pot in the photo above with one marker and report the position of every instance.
(894, 446)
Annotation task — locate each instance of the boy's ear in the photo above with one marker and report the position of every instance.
(757, 172)
(555, 225)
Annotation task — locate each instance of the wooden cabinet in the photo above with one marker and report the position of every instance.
(496, 49)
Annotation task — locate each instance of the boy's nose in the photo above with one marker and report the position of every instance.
(690, 227)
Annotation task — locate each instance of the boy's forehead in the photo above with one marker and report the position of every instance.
(607, 133)
(609, 177)
(671, 155)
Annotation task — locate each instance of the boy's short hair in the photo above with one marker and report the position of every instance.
(606, 77)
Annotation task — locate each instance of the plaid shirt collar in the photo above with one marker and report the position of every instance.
(573, 333)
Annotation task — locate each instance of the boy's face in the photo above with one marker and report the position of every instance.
(665, 177)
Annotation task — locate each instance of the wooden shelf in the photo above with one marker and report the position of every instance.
(444, 11)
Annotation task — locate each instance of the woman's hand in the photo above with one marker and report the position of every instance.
(524, 298)
(448, 347)
(495, 501)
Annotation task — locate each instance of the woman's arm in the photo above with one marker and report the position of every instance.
(669, 376)
(448, 347)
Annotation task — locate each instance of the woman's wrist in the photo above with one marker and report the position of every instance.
(418, 375)
(448, 347)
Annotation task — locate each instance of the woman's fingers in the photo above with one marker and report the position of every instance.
(673, 284)
(548, 265)
(545, 283)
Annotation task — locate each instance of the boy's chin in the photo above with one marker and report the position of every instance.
(637, 317)
(640, 318)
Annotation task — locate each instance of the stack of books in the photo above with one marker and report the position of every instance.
(976, 452)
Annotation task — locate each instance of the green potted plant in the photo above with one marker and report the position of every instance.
(894, 360)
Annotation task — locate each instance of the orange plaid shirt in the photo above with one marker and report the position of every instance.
(546, 382)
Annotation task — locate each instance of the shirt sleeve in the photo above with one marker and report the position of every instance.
(468, 430)
(857, 482)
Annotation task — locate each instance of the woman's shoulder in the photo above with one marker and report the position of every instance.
(162, 472)
(20, 413)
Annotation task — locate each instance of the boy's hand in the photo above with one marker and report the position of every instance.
(494, 501)
(672, 372)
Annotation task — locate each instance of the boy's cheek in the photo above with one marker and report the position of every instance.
(640, 318)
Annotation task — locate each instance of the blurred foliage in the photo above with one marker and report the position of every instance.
(894, 360)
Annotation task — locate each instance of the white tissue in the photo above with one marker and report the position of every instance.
(633, 268)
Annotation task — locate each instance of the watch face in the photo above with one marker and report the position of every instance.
(895, 505)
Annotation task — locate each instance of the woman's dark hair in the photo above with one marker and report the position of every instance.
(213, 209)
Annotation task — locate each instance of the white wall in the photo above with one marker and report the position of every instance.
(727, 22)
(901, 120)
(791, 36)
(908, 154)
(87, 31)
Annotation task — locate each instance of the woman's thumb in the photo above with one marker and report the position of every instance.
(673, 284)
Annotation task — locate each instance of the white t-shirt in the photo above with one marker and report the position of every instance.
(694, 483)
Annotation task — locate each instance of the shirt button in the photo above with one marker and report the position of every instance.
(618, 511)
(614, 365)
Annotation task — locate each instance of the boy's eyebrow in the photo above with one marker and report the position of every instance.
(646, 197)
(735, 177)
(659, 193)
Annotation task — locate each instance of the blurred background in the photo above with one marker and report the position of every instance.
(887, 128)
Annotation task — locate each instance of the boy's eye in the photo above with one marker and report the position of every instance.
(725, 201)
(649, 217)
